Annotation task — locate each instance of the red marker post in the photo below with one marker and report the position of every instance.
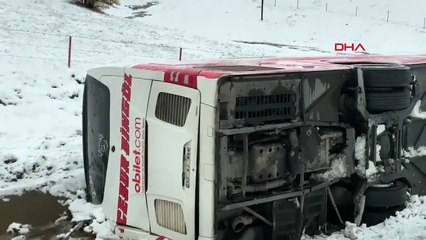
(69, 51)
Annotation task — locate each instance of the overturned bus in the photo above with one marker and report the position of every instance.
(254, 148)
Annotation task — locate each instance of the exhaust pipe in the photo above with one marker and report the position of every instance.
(239, 223)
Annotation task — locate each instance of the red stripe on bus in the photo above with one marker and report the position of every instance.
(186, 78)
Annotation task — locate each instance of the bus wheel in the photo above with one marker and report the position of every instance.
(383, 201)
(386, 195)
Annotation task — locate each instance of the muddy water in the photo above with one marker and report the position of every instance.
(37, 209)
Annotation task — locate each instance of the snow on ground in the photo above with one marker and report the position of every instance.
(415, 152)
(41, 99)
(81, 211)
(310, 27)
(18, 228)
(40, 123)
(409, 224)
(119, 11)
(419, 151)
(417, 112)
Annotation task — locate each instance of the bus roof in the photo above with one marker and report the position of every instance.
(186, 74)
(216, 68)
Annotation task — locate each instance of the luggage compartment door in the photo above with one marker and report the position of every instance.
(172, 125)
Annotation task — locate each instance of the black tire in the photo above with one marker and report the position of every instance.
(386, 197)
(389, 100)
(386, 76)
(375, 216)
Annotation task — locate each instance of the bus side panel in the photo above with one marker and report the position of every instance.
(206, 171)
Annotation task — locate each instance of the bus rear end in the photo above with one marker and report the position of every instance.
(147, 192)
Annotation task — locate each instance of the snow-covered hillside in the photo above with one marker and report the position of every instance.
(41, 98)
(303, 24)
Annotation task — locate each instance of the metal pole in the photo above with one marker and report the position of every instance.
(261, 11)
(297, 4)
(356, 11)
(387, 18)
(275, 3)
(245, 164)
(69, 51)
(260, 217)
(326, 6)
(180, 54)
(333, 203)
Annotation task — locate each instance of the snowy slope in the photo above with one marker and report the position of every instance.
(408, 224)
(40, 98)
(41, 101)
(314, 23)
